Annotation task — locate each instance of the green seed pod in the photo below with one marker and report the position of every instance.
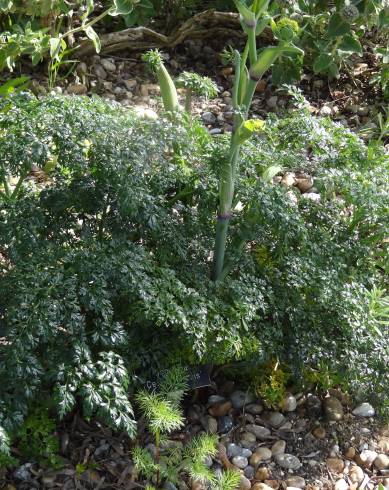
(349, 13)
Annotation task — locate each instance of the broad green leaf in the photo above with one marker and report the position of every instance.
(350, 44)
(269, 55)
(51, 164)
(122, 7)
(270, 172)
(262, 24)
(247, 16)
(259, 7)
(248, 128)
(337, 26)
(322, 62)
(11, 85)
(93, 36)
(383, 18)
(55, 44)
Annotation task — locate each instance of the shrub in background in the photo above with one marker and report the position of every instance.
(105, 264)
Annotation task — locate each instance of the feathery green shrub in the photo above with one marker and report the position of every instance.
(105, 265)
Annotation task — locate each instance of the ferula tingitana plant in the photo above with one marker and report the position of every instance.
(250, 66)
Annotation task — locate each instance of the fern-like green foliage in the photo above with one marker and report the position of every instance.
(144, 462)
(229, 480)
(162, 415)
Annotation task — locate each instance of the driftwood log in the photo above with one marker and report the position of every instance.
(209, 23)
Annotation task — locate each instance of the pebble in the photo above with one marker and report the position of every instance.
(220, 409)
(295, 481)
(290, 403)
(356, 474)
(350, 453)
(241, 398)
(77, 89)
(364, 410)
(381, 462)
(130, 84)
(150, 114)
(288, 461)
(276, 419)
(248, 437)
(272, 102)
(108, 65)
(288, 180)
(215, 399)
(233, 450)
(23, 472)
(260, 432)
(261, 486)
(332, 406)
(254, 408)
(262, 473)
(304, 184)
(319, 432)
(313, 405)
(245, 483)
(246, 452)
(100, 72)
(278, 448)
(249, 472)
(208, 118)
(383, 444)
(325, 111)
(366, 458)
(240, 461)
(335, 465)
(313, 196)
(341, 485)
(225, 424)
(215, 131)
(211, 425)
(264, 453)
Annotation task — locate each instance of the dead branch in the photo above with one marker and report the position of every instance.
(209, 23)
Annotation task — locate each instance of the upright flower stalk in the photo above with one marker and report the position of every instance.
(253, 20)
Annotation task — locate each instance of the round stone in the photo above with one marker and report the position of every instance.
(262, 474)
(381, 462)
(295, 481)
(319, 432)
(276, 419)
(288, 461)
(211, 425)
(254, 408)
(208, 118)
(245, 483)
(289, 404)
(364, 410)
(341, 485)
(313, 405)
(249, 472)
(356, 474)
(215, 399)
(220, 408)
(240, 462)
(278, 448)
(264, 453)
(333, 408)
(366, 458)
(260, 432)
(233, 450)
(241, 398)
(225, 424)
(261, 486)
(248, 437)
(246, 452)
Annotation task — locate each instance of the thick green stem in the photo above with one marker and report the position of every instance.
(188, 101)
(18, 184)
(226, 195)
